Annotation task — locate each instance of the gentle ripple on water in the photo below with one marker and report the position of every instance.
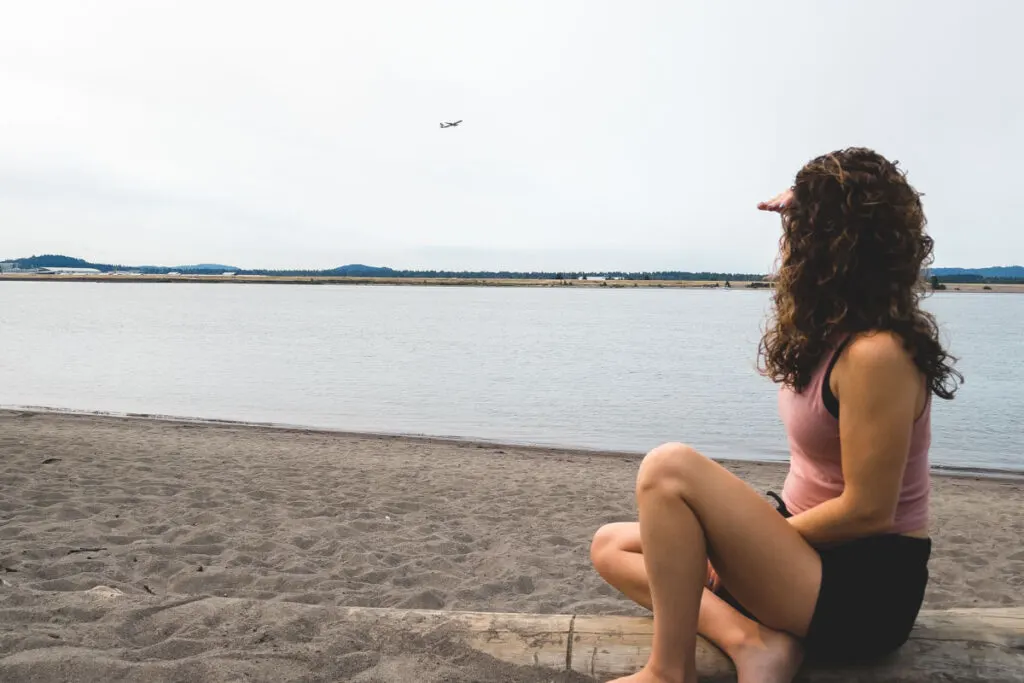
(596, 368)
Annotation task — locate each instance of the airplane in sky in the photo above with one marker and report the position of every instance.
(450, 124)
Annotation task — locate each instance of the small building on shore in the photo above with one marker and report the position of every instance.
(69, 271)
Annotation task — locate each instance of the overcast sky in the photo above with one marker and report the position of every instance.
(597, 135)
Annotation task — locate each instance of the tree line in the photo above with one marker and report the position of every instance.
(359, 270)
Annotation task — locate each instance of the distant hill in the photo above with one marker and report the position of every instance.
(359, 270)
(58, 261)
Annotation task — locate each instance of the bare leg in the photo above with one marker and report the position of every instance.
(690, 508)
(675, 556)
(758, 652)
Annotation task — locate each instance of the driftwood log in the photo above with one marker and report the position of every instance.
(962, 645)
(965, 645)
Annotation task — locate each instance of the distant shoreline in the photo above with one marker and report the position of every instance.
(1016, 288)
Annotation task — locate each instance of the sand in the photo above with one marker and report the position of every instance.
(170, 512)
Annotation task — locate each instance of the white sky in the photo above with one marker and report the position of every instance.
(597, 134)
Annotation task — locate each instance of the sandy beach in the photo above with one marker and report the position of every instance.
(170, 512)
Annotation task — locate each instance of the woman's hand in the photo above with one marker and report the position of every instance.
(778, 202)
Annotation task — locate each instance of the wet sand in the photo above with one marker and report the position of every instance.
(168, 512)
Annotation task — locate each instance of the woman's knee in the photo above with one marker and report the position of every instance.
(671, 465)
(607, 541)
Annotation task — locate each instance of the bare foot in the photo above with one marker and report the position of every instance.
(650, 675)
(773, 658)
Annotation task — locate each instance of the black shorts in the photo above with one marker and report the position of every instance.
(871, 592)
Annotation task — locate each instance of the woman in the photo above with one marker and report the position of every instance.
(840, 573)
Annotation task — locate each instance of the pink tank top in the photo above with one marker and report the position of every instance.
(815, 468)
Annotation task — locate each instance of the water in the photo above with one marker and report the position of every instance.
(595, 368)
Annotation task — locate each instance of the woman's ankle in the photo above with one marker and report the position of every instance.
(738, 636)
(768, 657)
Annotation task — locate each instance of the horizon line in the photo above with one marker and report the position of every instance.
(200, 264)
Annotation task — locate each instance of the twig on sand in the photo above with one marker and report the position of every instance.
(84, 550)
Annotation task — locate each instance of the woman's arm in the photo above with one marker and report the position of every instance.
(880, 391)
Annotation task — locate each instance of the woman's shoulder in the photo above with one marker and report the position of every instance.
(878, 346)
(878, 355)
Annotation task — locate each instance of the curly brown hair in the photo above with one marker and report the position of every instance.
(852, 252)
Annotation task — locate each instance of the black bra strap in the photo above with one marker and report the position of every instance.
(827, 397)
